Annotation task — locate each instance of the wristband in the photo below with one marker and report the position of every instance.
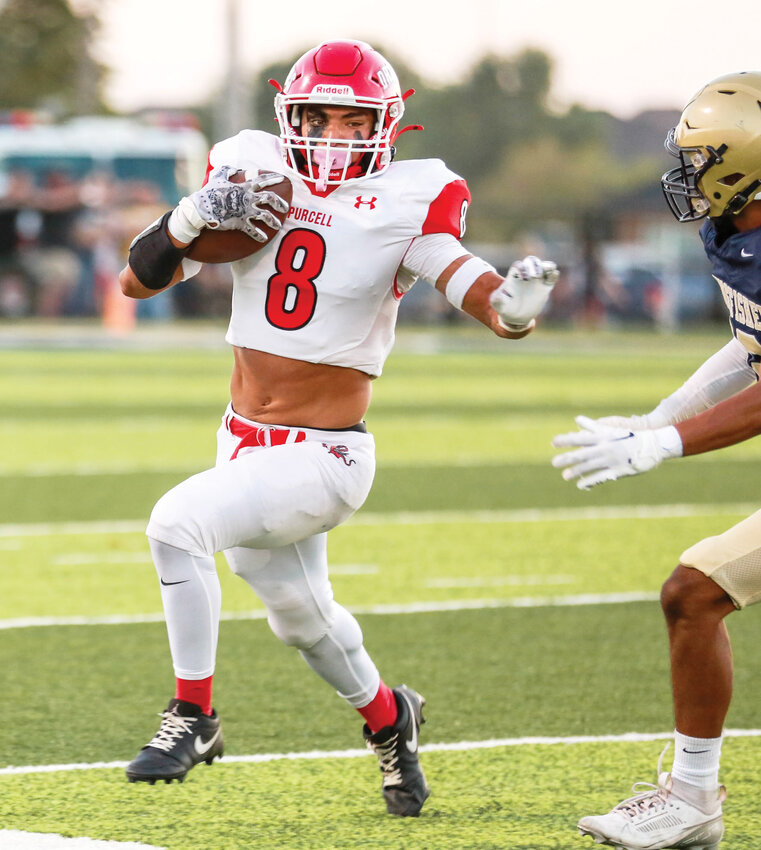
(669, 442)
(515, 329)
(463, 278)
(185, 222)
(153, 257)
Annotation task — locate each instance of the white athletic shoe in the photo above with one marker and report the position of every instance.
(657, 819)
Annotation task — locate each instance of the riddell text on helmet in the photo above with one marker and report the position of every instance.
(323, 89)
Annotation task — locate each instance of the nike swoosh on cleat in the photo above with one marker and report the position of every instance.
(168, 583)
(411, 744)
(744, 253)
(202, 748)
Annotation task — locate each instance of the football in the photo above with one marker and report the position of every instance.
(227, 246)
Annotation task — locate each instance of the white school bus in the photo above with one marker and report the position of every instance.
(166, 150)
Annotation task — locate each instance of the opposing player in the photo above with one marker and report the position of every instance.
(313, 317)
(718, 143)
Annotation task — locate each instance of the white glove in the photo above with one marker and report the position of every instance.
(224, 205)
(524, 292)
(611, 453)
(645, 422)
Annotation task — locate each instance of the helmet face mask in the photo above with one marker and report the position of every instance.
(680, 184)
(718, 145)
(347, 74)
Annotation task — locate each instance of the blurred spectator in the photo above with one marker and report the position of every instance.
(46, 251)
(143, 202)
(15, 294)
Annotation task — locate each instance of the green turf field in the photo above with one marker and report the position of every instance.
(524, 610)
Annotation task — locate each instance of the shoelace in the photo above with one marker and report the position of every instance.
(172, 727)
(388, 759)
(645, 802)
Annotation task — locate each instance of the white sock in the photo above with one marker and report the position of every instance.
(696, 761)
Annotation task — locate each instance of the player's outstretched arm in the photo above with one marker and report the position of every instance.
(722, 376)
(509, 305)
(601, 453)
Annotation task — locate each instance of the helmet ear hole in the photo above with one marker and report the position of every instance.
(718, 143)
(731, 179)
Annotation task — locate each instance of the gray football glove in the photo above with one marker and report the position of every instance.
(224, 205)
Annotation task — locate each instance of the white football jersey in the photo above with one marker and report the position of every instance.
(327, 287)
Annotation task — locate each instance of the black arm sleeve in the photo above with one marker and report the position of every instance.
(153, 257)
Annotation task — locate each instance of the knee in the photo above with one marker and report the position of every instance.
(172, 523)
(299, 627)
(689, 594)
(303, 630)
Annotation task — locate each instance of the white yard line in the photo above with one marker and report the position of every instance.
(411, 608)
(594, 514)
(461, 746)
(45, 529)
(20, 530)
(132, 526)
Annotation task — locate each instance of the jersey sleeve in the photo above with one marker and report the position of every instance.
(448, 210)
(430, 253)
(250, 149)
(225, 152)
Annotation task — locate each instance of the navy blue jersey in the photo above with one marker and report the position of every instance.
(736, 263)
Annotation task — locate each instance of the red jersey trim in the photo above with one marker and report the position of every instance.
(209, 169)
(447, 212)
(398, 294)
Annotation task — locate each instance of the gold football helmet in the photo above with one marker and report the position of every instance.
(718, 144)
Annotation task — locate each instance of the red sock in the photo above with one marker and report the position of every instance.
(197, 691)
(382, 711)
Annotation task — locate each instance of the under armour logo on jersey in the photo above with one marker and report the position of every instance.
(341, 452)
(360, 200)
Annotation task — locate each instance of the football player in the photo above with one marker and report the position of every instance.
(313, 315)
(718, 145)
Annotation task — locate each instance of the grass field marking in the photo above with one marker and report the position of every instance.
(44, 529)
(131, 526)
(495, 581)
(77, 559)
(12, 839)
(461, 746)
(412, 608)
(107, 620)
(517, 602)
(84, 470)
(594, 513)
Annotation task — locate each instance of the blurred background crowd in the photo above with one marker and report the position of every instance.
(78, 182)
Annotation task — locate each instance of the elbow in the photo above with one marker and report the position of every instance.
(131, 286)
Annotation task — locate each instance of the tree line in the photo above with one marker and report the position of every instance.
(525, 162)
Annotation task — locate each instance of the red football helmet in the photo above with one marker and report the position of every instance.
(339, 73)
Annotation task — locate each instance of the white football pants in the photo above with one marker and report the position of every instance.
(268, 510)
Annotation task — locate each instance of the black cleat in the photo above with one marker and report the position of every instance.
(185, 738)
(404, 785)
